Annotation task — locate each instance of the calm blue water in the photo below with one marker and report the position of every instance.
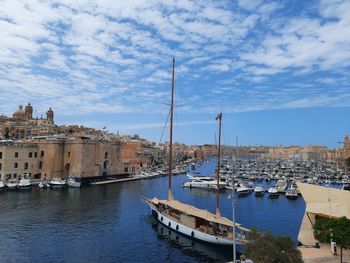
(110, 223)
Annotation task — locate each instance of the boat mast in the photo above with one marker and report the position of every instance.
(233, 207)
(219, 117)
(170, 194)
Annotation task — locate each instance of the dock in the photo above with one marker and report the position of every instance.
(114, 181)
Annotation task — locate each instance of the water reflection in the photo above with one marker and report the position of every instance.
(198, 250)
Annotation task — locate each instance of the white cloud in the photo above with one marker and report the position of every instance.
(115, 57)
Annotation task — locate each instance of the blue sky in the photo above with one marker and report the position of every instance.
(279, 70)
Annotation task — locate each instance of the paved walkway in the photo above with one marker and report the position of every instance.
(323, 255)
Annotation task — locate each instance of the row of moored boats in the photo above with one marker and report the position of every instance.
(26, 184)
(242, 188)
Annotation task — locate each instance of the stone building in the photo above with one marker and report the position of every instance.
(60, 157)
(343, 154)
(137, 154)
(22, 125)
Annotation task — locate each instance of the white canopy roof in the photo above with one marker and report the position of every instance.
(327, 201)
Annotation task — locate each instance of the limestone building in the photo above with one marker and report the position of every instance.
(23, 125)
(59, 157)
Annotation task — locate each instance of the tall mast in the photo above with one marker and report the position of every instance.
(219, 117)
(170, 194)
(233, 207)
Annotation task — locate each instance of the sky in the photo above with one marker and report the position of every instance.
(278, 70)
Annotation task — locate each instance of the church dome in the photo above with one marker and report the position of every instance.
(19, 114)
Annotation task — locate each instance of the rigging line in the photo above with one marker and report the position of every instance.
(161, 137)
(166, 123)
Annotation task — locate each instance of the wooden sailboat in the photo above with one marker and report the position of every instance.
(188, 220)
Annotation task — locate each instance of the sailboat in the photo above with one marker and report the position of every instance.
(188, 220)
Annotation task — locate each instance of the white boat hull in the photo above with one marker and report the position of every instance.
(57, 184)
(74, 184)
(12, 186)
(43, 185)
(24, 184)
(25, 187)
(186, 231)
(204, 185)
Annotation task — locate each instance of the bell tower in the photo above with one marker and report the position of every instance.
(50, 115)
(28, 111)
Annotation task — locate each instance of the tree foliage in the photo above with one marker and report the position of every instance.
(263, 247)
(337, 230)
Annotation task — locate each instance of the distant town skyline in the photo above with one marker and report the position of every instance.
(278, 70)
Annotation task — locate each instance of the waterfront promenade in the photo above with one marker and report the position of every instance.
(323, 255)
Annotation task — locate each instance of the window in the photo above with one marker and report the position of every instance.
(106, 155)
(0, 166)
(40, 165)
(16, 154)
(15, 165)
(25, 166)
(0, 155)
(14, 176)
(30, 155)
(42, 154)
(68, 154)
(35, 154)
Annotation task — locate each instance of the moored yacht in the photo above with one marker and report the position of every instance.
(188, 220)
(12, 184)
(57, 183)
(2, 186)
(292, 193)
(25, 184)
(259, 190)
(273, 192)
(44, 185)
(346, 187)
(244, 190)
(281, 186)
(73, 182)
(205, 182)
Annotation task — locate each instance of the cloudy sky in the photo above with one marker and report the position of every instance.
(279, 70)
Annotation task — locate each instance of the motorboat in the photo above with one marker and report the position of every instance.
(25, 184)
(244, 190)
(281, 186)
(273, 192)
(2, 185)
(57, 183)
(12, 184)
(205, 182)
(292, 193)
(73, 182)
(346, 187)
(259, 190)
(44, 185)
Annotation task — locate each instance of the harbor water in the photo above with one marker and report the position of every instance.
(110, 223)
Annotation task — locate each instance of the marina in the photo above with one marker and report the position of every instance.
(102, 213)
